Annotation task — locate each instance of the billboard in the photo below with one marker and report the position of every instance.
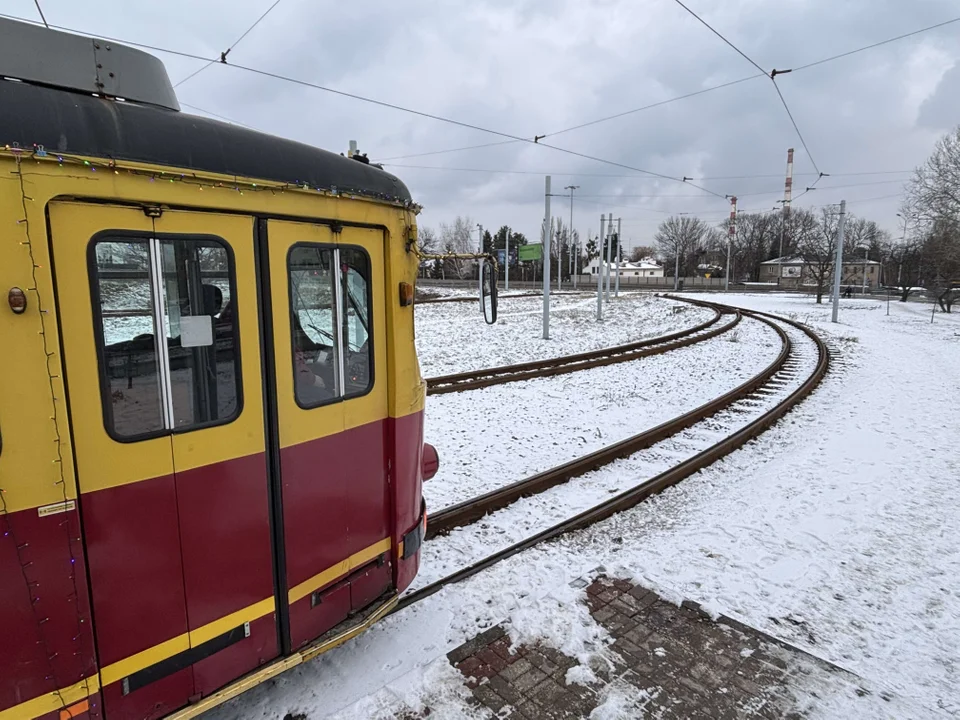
(533, 251)
(791, 271)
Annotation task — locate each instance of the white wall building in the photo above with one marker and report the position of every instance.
(642, 268)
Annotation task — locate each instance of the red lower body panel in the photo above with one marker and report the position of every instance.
(174, 553)
(45, 627)
(407, 435)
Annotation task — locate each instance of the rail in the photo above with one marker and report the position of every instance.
(631, 497)
(473, 379)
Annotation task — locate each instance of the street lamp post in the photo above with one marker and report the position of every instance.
(571, 188)
(866, 252)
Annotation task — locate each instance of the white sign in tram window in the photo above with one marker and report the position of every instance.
(196, 331)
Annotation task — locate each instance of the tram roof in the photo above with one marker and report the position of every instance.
(44, 105)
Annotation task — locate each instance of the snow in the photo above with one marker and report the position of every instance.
(836, 530)
(453, 337)
(495, 435)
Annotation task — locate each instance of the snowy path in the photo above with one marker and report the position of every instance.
(492, 436)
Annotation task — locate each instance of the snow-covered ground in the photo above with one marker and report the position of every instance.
(836, 530)
(452, 337)
(492, 436)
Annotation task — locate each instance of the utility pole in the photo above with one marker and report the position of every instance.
(506, 262)
(547, 227)
(619, 258)
(606, 294)
(787, 196)
(571, 188)
(676, 267)
(600, 273)
(480, 265)
(731, 233)
(838, 263)
(866, 251)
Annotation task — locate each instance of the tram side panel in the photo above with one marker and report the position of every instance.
(47, 658)
(407, 408)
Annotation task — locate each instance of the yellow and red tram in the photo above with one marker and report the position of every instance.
(211, 410)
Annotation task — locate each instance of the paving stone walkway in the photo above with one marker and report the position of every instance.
(665, 662)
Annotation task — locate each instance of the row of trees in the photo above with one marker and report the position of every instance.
(461, 237)
(926, 255)
(687, 243)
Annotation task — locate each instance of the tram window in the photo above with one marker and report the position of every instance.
(312, 303)
(355, 269)
(130, 370)
(180, 290)
(332, 354)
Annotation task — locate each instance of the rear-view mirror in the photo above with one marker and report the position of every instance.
(488, 289)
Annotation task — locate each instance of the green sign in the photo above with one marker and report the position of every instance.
(534, 251)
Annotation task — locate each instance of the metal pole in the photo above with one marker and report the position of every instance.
(676, 268)
(480, 265)
(546, 259)
(731, 231)
(616, 292)
(506, 260)
(838, 263)
(571, 188)
(606, 292)
(600, 273)
(559, 255)
(865, 251)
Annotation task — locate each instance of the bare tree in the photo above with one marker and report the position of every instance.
(642, 252)
(818, 247)
(456, 239)
(679, 238)
(933, 199)
(756, 233)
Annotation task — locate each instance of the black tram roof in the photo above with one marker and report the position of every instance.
(44, 104)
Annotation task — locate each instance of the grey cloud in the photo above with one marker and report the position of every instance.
(534, 67)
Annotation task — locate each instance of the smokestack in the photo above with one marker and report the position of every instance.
(788, 185)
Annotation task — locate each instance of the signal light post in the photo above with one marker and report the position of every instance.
(546, 259)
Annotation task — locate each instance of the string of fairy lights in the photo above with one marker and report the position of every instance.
(199, 180)
(53, 376)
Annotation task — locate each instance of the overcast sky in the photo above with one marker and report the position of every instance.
(528, 67)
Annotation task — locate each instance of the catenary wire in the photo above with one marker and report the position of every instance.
(223, 56)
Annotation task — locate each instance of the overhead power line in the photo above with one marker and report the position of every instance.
(714, 31)
(876, 44)
(451, 150)
(773, 78)
(220, 117)
(223, 55)
(393, 106)
(795, 126)
(40, 10)
(695, 93)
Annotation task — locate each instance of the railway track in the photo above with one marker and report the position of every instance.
(736, 417)
(486, 377)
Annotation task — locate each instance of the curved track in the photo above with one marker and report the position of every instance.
(781, 378)
(486, 377)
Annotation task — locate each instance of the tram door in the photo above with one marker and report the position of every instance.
(330, 340)
(159, 325)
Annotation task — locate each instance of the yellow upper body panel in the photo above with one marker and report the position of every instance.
(34, 423)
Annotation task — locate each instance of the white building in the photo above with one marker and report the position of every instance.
(642, 268)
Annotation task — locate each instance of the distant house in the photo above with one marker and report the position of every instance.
(641, 268)
(793, 271)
